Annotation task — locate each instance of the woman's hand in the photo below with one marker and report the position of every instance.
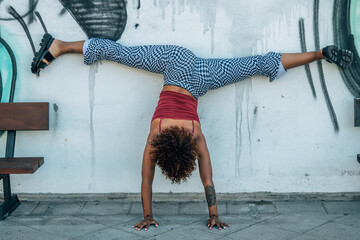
(215, 221)
(148, 220)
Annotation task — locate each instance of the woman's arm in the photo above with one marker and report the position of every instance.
(147, 173)
(206, 178)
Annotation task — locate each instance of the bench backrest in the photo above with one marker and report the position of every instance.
(24, 116)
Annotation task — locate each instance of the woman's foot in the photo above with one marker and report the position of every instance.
(343, 58)
(54, 49)
(43, 57)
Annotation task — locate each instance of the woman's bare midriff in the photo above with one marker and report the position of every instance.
(177, 89)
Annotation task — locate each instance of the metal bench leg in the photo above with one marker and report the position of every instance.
(11, 202)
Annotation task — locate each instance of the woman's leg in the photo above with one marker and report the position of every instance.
(59, 48)
(173, 61)
(291, 60)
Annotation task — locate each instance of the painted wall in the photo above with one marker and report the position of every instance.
(296, 134)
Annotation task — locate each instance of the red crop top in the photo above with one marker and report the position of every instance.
(174, 105)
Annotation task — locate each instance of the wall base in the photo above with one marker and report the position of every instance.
(193, 197)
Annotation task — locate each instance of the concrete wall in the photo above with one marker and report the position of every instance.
(285, 136)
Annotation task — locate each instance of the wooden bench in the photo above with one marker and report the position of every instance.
(15, 117)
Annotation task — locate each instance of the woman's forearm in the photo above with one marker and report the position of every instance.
(211, 199)
(146, 197)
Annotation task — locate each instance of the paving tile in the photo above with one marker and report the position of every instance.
(236, 208)
(266, 208)
(33, 235)
(109, 233)
(106, 208)
(200, 208)
(262, 232)
(351, 220)
(152, 231)
(58, 208)
(25, 208)
(179, 219)
(256, 217)
(308, 236)
(342, 207)
(11, 228)
(337, 231)
(236, 224)
(293, 223)
(184, 233)
(68, 227)
(110, 220)
(299, 207)
(158, 208)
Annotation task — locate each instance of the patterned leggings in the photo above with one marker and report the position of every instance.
(181, 67)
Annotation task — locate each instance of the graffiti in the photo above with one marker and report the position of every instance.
(12, 11)
(99, 18)
(320, 68)
(14, 74)
(14, 68)
(304, 49)
(30, 12)
(343, 37)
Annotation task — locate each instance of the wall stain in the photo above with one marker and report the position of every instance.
(207, 11)
(55, 107)
(243, 145)
(350, 173)
(92, 72)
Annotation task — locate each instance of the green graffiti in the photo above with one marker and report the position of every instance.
(6, 64)
(355, 21)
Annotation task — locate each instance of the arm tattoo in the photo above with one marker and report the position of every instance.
(210, 195)
(71, 50)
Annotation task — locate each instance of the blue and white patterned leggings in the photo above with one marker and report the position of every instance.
(181, 67)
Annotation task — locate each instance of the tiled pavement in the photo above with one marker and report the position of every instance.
(185, 220)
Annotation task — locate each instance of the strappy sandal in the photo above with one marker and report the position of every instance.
(343, 58)
(43, 53)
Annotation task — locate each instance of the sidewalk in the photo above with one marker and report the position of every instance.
(185, 220)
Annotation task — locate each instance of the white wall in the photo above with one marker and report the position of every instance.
(261, 136)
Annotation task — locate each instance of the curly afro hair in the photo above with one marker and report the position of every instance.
(175, 151)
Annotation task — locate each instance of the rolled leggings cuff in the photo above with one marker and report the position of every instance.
(281, 71)
(85, 46)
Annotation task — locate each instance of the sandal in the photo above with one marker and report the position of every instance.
(343, 58)
(42, 54)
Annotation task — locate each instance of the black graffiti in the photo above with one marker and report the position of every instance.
(304, 49)
(344, 38)
(320, 68)
(14, 68)
(99, 18)
(12, 11)
(30, 12)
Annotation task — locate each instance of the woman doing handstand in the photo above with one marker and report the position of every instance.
(175, 140)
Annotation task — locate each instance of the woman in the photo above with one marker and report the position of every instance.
(175, 140)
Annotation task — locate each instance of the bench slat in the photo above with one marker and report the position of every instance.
(20, 165)
(24, 116)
